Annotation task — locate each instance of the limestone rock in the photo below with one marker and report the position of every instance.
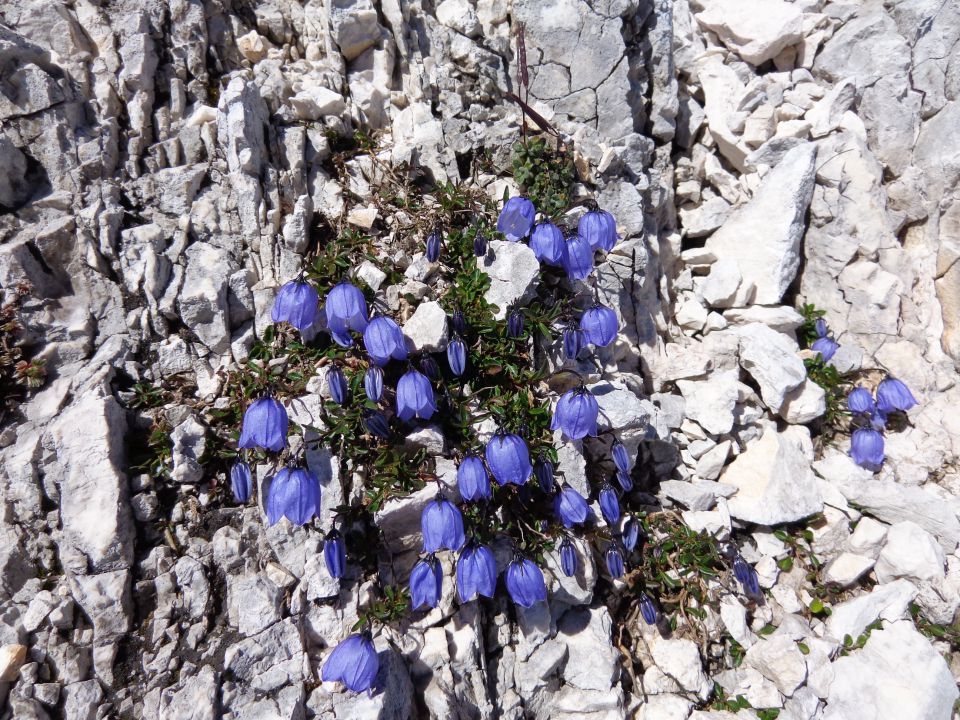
(514, 274)
(771, 358)
(757, 30)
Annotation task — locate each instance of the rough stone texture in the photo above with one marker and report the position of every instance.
(514, 272)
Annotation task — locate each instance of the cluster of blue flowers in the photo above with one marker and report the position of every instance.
(824, 344)
(873, 414)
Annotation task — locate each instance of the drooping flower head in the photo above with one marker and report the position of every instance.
(373, 383)
(568, 558)
(572, 342)
(548, 244)
(543, 471)
(294, 494)
(525, 582)
(570, 507)
(576, 414)
(609, 504)
(746, 575)
(827, 347)
(620, 456)
(334, 554)
(376, 423)
(297, 303)
(631, 533)
(264, 425)
(578, 258)
(476, 572)
(516, 218)
(648, 609)
(346, 310)
(508, 459)
(866, 448)
(433, 246)
(338, 385)
(458, 322)
(429, 367)
(894, 395)
(859, 400)
(626, 482)
(383, 340)
(415, 396)
(241, 482)
(599, 325)
(353, 662)
(599, 228)
(878, 421)
(479, 245)
(472, 479)
(821, 327)
(457, 356)
(426, 583)
(614, 559)
(515, 323)
(442, 526)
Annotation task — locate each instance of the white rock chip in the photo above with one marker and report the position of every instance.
(711, 402)
(804, 404)
(779, 659)
(514, 274)
(771, 358)
(910, 552)
(757, 30)
(680, 660)
(889, 602)
(593, 663)
(847, 568)
(426, 330)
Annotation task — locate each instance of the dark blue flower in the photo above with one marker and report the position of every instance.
(338, 385)
(543, 471)
(827, 347)
(241, 482)
(294, 494)
(515, 323)
(609, 504)
(614, 559)
(458, 322)
(457, 356)
(599, 325)
(626, 482)
(508, 459)
(548, 244)
(578, 259)
(346, 310)
(866, 448)
(334, 554)
(568, 558)
(599, 228)
(426, 583)
(476, 573)
(570, 507)
(620, 456)
(383, 340)
(572, 342)
(516, 218)
(576, 414)
(821, 327)
(415, 396)
(433, 246)
(353, 662)
(746, 575)
(894, 395)
(373, 383)
(296, 303)
(442, 526)
(859, 400)
(479, 245)
(472, 479)
(525, 582)
(376, 423)
(648, 609)
(429, 367)
(631, 533)
(264, 425)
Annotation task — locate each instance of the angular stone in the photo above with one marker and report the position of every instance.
(426, 330)
(593, 663)
(804, 403)
(771, 358)
(888, 602)
(514, 274)
(757, 30)
(779, 659)
(910, 552)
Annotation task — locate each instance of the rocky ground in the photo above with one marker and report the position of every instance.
(166, 165)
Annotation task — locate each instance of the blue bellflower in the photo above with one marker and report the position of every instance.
(878, 421)
(631, 533)
(346, 310)
(457, 356)
(508, 459)
(543, 471)
(821, 327)
(515, 323)
(334, 554)
(894, 395)
(576, 414)
(472, 479)
(609, 504)
(516, 218)
(442, 526)
(568, 558)
(458, 322)
(373, 383)
(297, 303)
(294, 494)
(620, 456)
(338, 385)
(353, 662)
(648, 609)
(578, 259)
(383, 340)
(626, 482)
(746, 575)
(433, 247)
(859, 400)
(479, 245)
(866, 448)
(599, 325)
(548, 244)
(572, 342)
(376, 424)
(570, 507)
(525, 582)
(614, 559)
(599, 228)
(264, 425)
(426, 583)
(415, 396)
(429, 367)
(476, 573)
(827, 347)
(241, 482)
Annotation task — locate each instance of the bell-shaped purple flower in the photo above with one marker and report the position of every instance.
(376, 424)
(508, 459)
(457, 356)
(614, 559)
(525, 582)
(878, 421)
(479, 245)
(827, 347)
(866, 448)
(383, 340)
(241, 482)
(568, 558)
(746, 575)
(415, 397)
(570, 507)
(543, 472)
(894, 395)
(426, 583)
(515, 323)
(373, 383)
(821, 327)
(338, 385)
(458, 322)
(433, 246)
(576, 414)
(578, 259)
(294, 494)
(626, 482)
(264, 425)
(516, 218)
(472, 479)
(334, 554)
(609, 504)
(429, 367)
(297, 303)
(648, 609)
(599, 325)
(353, 662)
(476, 572)
(572, 342)
(620, 456)
(859, 400)
(442, 526)
(631, 533)
(346, 309)
(599, 228)
(548, 244)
